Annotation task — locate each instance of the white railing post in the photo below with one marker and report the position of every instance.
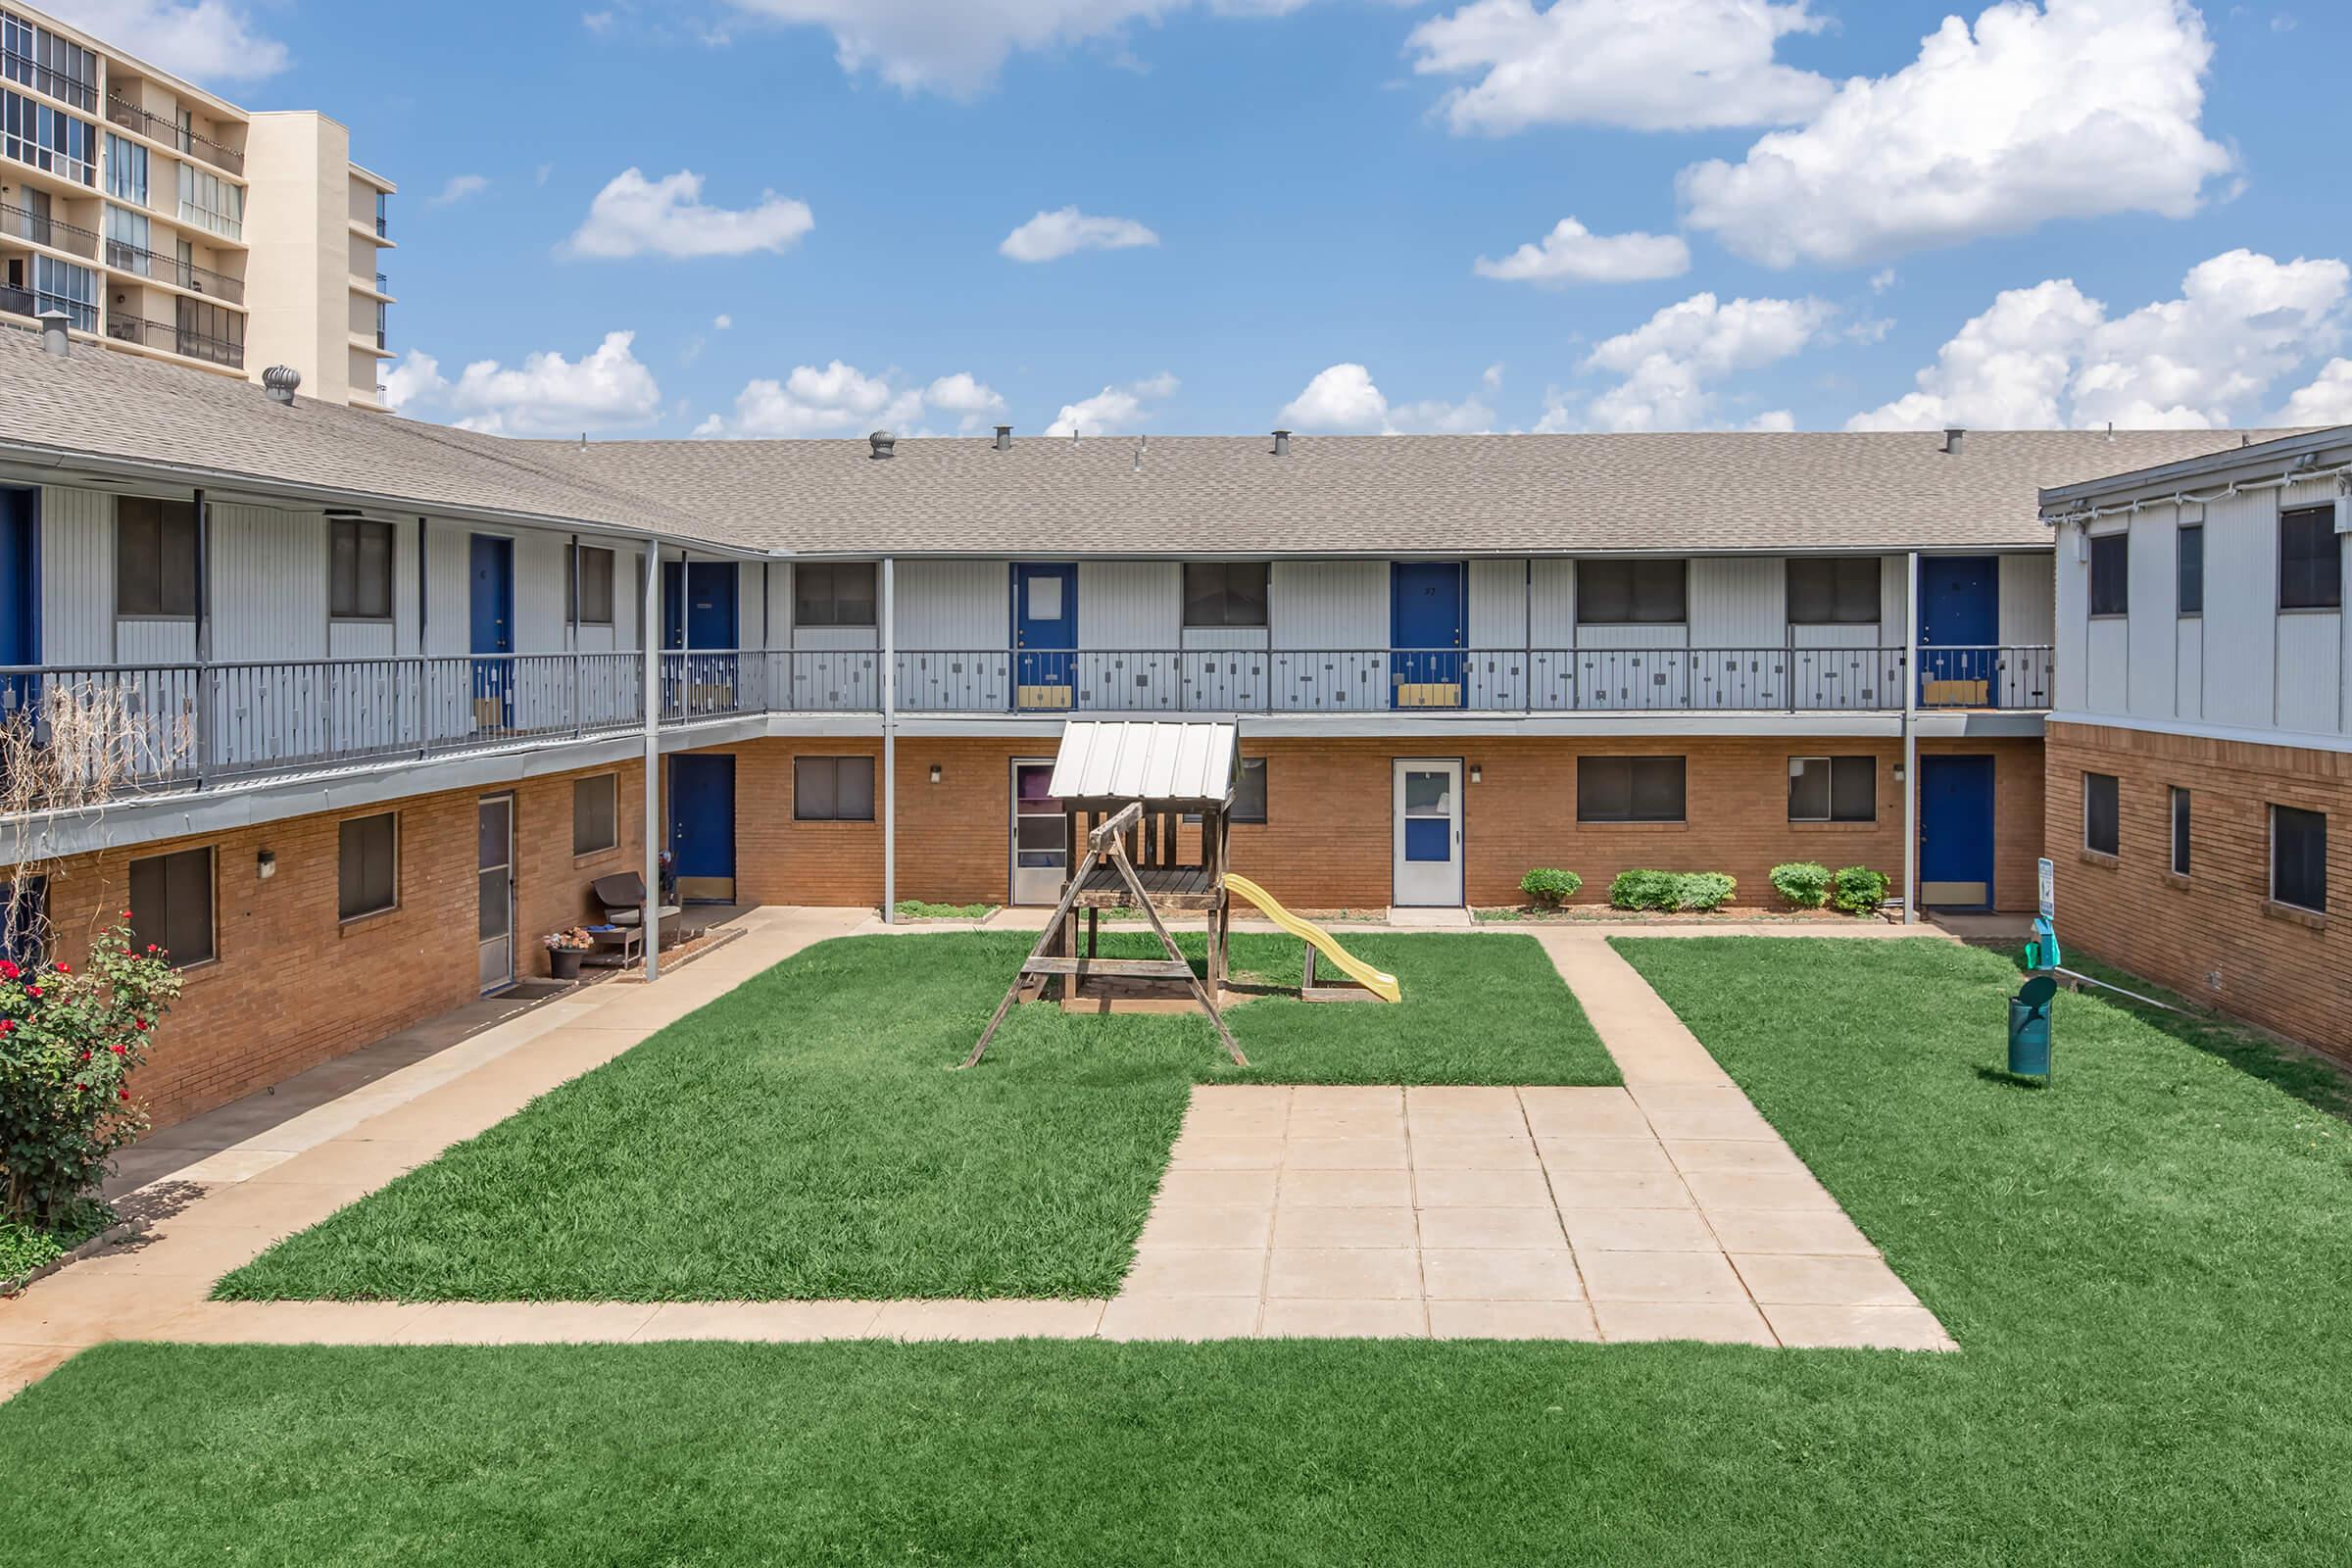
(889, 745)
(1911, 739)
(647, 624)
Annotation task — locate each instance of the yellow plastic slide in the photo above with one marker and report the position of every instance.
(1383, 986)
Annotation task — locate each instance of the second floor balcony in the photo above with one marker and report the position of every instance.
(125, 256)
(171, 133)
(175, 339)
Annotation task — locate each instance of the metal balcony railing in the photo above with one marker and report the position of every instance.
(178, 339)
(26, 72)
(22, 223)
(186, 725)
(129, 257)
(173, 134)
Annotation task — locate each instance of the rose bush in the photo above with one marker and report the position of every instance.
(69, 1040)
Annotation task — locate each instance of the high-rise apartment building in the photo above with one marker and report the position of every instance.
(167, 221)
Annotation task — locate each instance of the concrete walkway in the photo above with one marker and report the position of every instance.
(1667, 1209)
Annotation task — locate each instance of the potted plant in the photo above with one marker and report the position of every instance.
(564, 950)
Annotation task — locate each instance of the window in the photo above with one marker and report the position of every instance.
(125, 170)
(210, 202)
(2111, 574)
(835, 594)
(591, 585)
(833, 789)
(127, 241)
(209, 331)
(596, 814)
(1224, 593)
(1840, 592)
(155, 556)
(1250, 792)
(383, 214)
(2188, 569)
(63, 286)
(1629, 789)
(24, 920)
(370, 860)
(2299, 857)
(361, 585)
(2180, 831)
(2311, 559)
(1832, 789)
(2102, 813)
(46, 63)
(171, 905)
(1630, 593)
(32, 132)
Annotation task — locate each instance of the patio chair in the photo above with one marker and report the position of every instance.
(622, 898)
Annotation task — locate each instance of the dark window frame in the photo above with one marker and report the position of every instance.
(1842, 770)
(2188, 569)
(2182, 816)
(1240, 813)
(158, 536)
(2103, 808)
(1623, 604)
(144, 925)
(353, 900)
(2308, 891)
(1198, 588)
(1595, 776)
(612, 786)
(2311, 559)
(2110, 571)
(594, 570)
(346, 600)
(830, 603)
(1847, 580)
(804, 790)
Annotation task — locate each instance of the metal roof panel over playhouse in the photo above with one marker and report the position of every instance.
(1157, 763)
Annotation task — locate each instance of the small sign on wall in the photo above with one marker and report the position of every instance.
(2046, 874)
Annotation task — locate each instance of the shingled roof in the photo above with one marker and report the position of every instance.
(1329, 494)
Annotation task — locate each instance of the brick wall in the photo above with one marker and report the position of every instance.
(1327, 842)
(291, 985)
(2213, 936)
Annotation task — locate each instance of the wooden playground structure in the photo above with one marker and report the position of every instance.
(1152, 804)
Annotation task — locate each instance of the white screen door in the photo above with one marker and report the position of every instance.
(494, 865)
(1427, 832)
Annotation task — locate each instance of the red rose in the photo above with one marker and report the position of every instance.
(32, 991)
(7, 1025)
(138, 1023)
(152, 947)
(115, 1047)
(85, 1056)
(8, 970)
(121, 1094)
(64, 968)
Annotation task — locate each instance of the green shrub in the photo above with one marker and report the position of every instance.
(1858, 890)
(1548, 889)
(1704, 890)
(1644, 890)
(1803, 883)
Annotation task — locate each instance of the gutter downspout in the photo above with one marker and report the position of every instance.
(1911, 739)
(649, 618)
(205, 706)
(890, 744)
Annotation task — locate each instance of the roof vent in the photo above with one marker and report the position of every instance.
(884, 444)
(1952, 439)
(280, 381)
(1282, 443)
(53, 333)
(1003, 438)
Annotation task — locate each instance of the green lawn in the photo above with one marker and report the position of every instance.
(802, 1138)
(2146, 1267)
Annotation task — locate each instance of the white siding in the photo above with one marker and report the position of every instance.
(2028, 601)
(957, 604)
(2242, 599)
(268, 585)
(1739, 602)
(2072, 653)
(1554, 605)
(1498, 596)
(2311, 662)
(1894, 601)
(1338, 606)
(78, 577)
(542, 593)
(2188, 668)
(1130, 605)
(2151, 649)
(448, 592)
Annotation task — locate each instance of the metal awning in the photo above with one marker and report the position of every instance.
(1190, 764)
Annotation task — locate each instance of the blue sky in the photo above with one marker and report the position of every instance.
(2093, 210)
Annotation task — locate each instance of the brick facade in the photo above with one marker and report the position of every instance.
(293, 985)
(1327, 842)
(2214, 935)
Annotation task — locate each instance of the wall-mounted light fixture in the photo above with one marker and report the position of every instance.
(934, 773)
(1898, 772)
(1477, 775)
(265, 864)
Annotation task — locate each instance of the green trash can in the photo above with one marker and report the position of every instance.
(2030, 1028)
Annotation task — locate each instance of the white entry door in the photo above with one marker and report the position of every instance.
(494, 869)
(1429, 832)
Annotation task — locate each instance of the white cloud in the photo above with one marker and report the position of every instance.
(2086, 108)
(1882, 280)
(1491, 376)
(1050, 236)
(460, 188)
(203, 40)
(2325, 401)
(721, 322)
(2050, 356)
(598, 23)
(545, 395)
(922, 46)
(1115, 410)
(1670, 365)
(1573, 254)
(1342, 398)
(842, 399)
(633, 215)
(1661, 65)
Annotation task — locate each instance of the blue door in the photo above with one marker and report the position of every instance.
(20, 596)
(1955, 832)
(1429, 624)
(699, 611)
(702, 826)
(1045, 635)
(491, 637)
(1959, 628)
